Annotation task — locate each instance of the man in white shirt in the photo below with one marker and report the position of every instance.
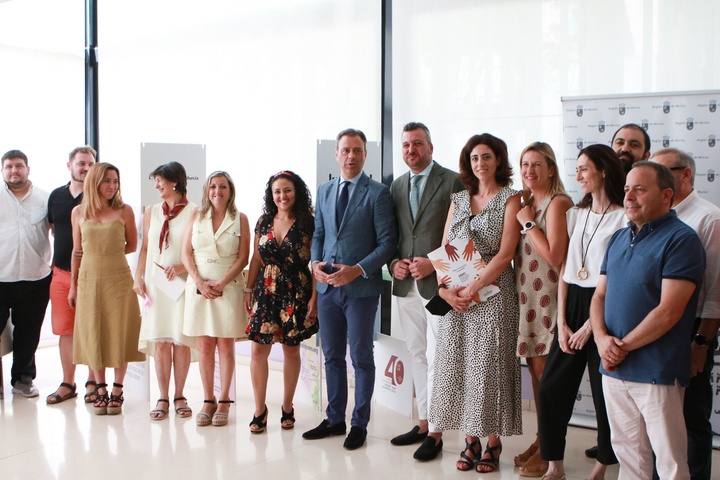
(704, 218)
(24, 266)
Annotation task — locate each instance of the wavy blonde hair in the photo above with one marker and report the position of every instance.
(206, 206)
(556, 184)
(92, 201)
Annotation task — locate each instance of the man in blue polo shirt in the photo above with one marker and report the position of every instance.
(642, 314)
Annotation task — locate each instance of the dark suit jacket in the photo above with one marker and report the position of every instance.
(367, 235)
(424, 235)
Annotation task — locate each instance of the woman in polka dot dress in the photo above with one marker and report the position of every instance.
(540, 253)
(476, 386)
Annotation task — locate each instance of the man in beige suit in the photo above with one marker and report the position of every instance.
(422, 200)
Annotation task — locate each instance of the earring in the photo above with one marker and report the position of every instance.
(173, 188)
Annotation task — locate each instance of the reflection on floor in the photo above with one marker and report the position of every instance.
(68, 442)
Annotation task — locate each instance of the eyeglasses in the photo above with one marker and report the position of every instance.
(677, 168)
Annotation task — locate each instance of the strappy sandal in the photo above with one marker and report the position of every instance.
(488, 465)
(55, 398)
(182, 412)
(92, 395)
(260, 422)
(203, 419)
(158, 414)
(117, 399)
(287, 420)
(220, 419)
(100, 404)
(465, 462)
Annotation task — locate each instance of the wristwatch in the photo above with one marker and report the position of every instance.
(702, 340)
(529, 225)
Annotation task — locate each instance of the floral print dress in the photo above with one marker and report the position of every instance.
(283, 287)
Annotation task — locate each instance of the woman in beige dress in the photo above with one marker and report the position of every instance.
(107, 318)
(216, 248)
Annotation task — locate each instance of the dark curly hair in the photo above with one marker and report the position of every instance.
(607, 161)
(302, 208)
(504, 171)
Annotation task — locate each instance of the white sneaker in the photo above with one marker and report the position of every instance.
(26, 389)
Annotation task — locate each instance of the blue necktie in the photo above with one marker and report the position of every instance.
(342, 203)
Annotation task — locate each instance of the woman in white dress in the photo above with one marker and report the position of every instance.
(162, 320)
(216, 248)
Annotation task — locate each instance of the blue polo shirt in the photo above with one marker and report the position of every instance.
(635, 266)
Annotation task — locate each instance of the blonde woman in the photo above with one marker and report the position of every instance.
(107, 324)
(216, 248)
(540, 254)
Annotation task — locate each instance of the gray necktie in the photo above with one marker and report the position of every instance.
(414, 195)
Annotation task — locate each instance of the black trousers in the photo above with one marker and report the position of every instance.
(560, 381)
(27, 301)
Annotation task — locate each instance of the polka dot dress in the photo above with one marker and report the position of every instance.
(476, 387)
(537, 285)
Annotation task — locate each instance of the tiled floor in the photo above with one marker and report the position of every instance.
(68, 442)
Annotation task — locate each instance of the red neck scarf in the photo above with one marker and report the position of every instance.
(169, 215)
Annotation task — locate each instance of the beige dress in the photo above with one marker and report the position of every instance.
(163, 320)
(213, 254)
(107, 316)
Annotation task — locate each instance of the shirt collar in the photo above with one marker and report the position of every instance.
(425, 172)
(648, 227)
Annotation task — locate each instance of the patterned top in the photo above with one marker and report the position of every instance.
(537, 285)
(283, 287)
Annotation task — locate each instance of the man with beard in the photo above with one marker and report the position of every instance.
(422, 200)
(632, 144)
(62, 201)
(24, 267)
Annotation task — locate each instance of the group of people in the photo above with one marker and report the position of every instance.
(617, 283)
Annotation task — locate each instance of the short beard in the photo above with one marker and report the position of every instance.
(79, 180)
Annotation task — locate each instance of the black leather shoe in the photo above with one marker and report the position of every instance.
(410, 437)
(325, 430)
(428, 450)
(356, 438)
(591, 452)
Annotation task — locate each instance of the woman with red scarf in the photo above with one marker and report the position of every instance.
(162, 319)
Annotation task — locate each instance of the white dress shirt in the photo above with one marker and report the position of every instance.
(24, 228)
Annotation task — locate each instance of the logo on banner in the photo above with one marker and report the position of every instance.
(579, 110)
(645, 124)
(711, 141)
(579, 143)
(711, 175)
(666, 107)
(601, 126)
(690, 123)
(395, 370)
(712, 106)
(621, 109)
(666, 141)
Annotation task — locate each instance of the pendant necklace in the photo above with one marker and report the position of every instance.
(582, 274)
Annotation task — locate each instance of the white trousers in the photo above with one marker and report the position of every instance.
(420, 331)
(646, 418)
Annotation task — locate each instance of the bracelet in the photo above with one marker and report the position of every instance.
(248, 290)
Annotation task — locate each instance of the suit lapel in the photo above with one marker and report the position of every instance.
(432, 184)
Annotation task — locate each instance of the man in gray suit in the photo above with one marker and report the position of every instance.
(422, 200)
(355, 235)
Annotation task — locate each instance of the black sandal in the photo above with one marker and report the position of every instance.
(55, 398)
(158, 414)
(182, 412)
(465, 463)
(100, 404)
(288, 417)
(91, 396)
(492, 463)
(260, 422)
(116, 409)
